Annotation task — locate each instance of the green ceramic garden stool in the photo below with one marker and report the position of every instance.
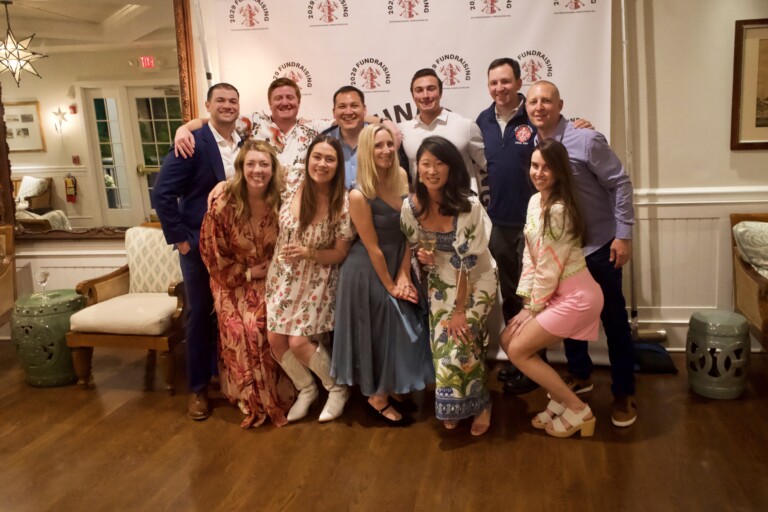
(717, 353)
(38, 327)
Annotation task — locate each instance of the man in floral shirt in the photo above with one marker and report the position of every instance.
(283, 129)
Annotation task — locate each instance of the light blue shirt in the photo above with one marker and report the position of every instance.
(602, 186)
(350, 157)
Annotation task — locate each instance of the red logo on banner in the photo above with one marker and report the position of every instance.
(370, 74)
(248, 14)
(572, 5)
(408, 10)
(491, 7)
(327, 11)
(296, 72)
(535, 66)
(523, 133)
(450, 73)
(452, 69)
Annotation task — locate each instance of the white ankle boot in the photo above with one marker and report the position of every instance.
(338, 394)
(303, 382)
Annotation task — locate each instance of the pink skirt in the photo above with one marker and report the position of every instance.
(574, 309)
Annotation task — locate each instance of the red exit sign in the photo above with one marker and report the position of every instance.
(147, 62)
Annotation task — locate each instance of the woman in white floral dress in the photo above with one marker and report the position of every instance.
(462, 284)
(315, 236)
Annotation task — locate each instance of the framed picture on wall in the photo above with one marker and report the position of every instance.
(24, 131)
(749, 114)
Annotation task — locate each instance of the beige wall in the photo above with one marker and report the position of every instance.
(681, 75)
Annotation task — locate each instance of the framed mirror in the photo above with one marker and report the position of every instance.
(122, 76)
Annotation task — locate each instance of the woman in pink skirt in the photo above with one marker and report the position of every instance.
(561, 300)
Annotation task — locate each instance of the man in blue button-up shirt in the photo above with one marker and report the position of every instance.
(605, 192)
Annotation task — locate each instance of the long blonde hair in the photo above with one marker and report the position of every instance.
(368, 178)
(238, 188)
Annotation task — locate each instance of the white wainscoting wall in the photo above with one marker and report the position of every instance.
(682, 244)
(67, 261)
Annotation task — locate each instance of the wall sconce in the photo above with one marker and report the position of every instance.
(61, 118)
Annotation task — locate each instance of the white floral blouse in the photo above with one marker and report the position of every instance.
(548, 257)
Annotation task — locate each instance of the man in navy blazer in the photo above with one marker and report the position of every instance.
(180, 199)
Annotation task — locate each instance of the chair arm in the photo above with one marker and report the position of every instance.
(750, 291)
(7, 286)
(105, 287)
(760, 282)
(34, 225)
(6, 271)
(39, 201)
(177, 290)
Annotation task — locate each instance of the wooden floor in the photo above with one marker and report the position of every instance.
(118, 448)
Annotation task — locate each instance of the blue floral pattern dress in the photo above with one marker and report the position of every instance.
(461, 374)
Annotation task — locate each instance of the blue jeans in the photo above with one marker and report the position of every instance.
(616, 325)
(200, 327)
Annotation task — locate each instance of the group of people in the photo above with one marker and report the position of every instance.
(311, 228)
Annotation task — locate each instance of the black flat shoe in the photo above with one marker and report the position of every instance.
(406, 404)
(379, 413)
(519, 385)
(508, 373)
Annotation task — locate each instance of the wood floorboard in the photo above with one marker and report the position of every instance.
(117, 447)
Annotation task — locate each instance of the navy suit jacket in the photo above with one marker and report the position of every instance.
(181, 190)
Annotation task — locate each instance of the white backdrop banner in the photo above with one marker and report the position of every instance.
(377, 45)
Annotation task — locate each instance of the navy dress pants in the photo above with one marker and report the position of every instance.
(200, 327)
(616, 325)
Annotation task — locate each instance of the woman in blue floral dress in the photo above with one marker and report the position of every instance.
(462, 285)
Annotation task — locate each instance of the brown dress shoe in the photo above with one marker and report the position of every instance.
(198, 407)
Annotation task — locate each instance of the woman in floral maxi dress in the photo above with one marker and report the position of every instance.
(237, 241)
(462, 285)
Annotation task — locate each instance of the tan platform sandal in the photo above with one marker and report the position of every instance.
(578, 421)
(553, 410)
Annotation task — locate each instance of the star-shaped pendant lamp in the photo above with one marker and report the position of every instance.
(15, 56)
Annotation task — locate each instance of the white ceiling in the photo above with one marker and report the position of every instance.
(91, 25)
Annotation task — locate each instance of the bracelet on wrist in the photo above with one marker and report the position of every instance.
(248, 275)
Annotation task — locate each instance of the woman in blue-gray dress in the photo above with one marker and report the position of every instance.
(381, 336)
